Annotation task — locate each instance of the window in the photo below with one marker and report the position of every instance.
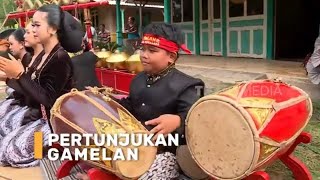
(176, 10)
(94, 17)
(187, 11)
(254, 7)
(182, 11)
(239, 8)
(236, 9)
(204, 9)
(216, 9)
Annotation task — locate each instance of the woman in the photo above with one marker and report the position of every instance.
(132, 28)
(17, 47)
(15, 102)
(4, 35)
(84, 68)
(18, 50)
(58, 32)
(133, 41)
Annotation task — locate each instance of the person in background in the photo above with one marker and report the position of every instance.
(103, 34)
(4, 48)
(132, 28)
(15, 100)
(84, 68)
(133, 41)
(17, 47)
(94, 35)
(18, 50)
(4, 45)
(313, 64)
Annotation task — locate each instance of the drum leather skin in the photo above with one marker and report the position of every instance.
(245, 128)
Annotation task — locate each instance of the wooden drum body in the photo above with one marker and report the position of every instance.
(92, 112)
(240, 130)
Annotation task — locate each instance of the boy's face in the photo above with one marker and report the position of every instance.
(155, 59)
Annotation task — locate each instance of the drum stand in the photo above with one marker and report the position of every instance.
(299, 170)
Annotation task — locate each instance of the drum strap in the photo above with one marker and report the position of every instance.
(267, 141)
(291, 102)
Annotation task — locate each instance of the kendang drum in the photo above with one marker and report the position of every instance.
(95, 112)
(245, 128)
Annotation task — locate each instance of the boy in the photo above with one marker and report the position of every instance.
(161, 96)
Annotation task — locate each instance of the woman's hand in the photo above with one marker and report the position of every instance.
(13, 68)
(164, 124)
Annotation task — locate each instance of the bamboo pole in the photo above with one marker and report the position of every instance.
(87, 18)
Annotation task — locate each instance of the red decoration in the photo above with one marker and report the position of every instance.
(118, 80)
(98, 174)
(19, 3)
(66, 8)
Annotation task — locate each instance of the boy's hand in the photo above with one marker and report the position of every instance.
(164, 124)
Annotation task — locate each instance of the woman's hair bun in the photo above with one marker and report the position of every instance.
(72, 33)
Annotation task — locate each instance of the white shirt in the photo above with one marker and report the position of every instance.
(94, 34)
(313, 65)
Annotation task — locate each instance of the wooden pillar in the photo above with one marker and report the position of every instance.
(119, 22)
(167, 11)
(140, 19)
(270, 28)
(224, 28)
(122, 19)
(22, 22)
(87, 18)
(196, 9)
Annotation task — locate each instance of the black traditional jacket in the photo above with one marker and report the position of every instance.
(171, 93)
(52, 80)
(84, 70)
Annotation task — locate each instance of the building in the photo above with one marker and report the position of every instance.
(248, 28)
(151, 12)
(231, 28)
(265, 29)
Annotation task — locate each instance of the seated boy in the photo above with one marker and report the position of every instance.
(161, 96)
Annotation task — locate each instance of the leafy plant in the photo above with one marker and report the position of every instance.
(110, 46)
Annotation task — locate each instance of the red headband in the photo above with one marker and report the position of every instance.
(150, 39)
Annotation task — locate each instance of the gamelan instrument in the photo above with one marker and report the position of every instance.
(133, 63)
(245, 128)
(102, 55)
(95, 112)
(117, 60)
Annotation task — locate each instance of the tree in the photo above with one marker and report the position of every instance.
(5, 8)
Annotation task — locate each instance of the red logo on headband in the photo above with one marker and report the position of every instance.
(150, 39)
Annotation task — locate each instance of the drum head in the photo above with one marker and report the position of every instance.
(188, 165)
(135, 169)
(220, 139)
